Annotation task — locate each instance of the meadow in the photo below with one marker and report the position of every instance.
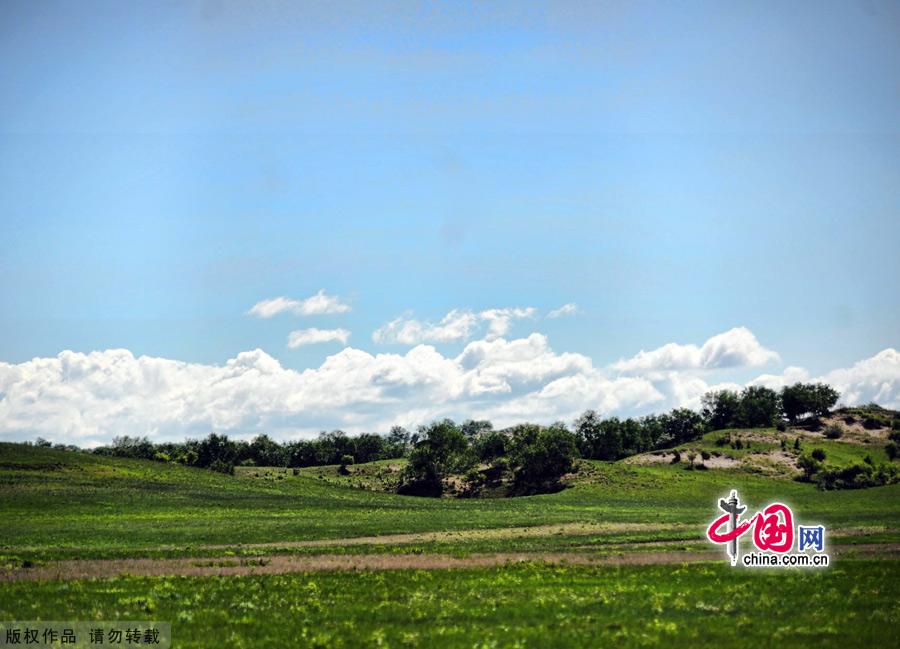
(545, 570)
(524, 605)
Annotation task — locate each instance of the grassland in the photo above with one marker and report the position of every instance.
(527, 605)
(58, 506)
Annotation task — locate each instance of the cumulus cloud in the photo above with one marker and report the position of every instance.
(87, 399)
(319, 304)
(500, 320)
(456, 326)
(875, 379)
(736, 347)
(789, 376)
(314, 336)
(565, 310)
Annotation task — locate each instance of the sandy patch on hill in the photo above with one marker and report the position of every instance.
(854, 433)
(714, 462)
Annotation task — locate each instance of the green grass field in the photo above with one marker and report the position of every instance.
(64, 506)
(527, 605)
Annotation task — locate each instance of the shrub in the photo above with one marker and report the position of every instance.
(895, 425)
(809, 466)
(835, 431)
(870, 423)
(501, 465)
(222, 467)
(724, 440)
(781, 425)
(472, 484)
(705, 455)
(346, 460)
(797, 443)
(891, 450)
(818, 454)
(857, 476)
(868, 460)
(676, 457)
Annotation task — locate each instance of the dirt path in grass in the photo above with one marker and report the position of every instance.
(281, 564)
(486, 534)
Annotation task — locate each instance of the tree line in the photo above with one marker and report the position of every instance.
(536, 456)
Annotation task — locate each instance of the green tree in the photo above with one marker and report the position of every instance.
(824, 397)
(632, 437)
(598, 439)
(795, 401)
(441, 450)
(473, 429)
(490, 445)
(540, 457)
(368, 447)
(807, 399)
(398, 442)
(683, 425)
(759, 407)
(721, 409)
(133, 447)
(218, 450)
(264, 451)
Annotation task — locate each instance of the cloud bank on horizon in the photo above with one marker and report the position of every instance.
(87, 398)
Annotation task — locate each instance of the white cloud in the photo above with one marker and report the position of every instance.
(500, 320)
(496, 366)
(736, 347)
(89, 398)
(319, 304)
(873, 379)
(789, 376)
(565, 310)
(456, 326)
(313, 336)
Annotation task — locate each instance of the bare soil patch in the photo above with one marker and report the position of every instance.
(714, 462)
(854, 433)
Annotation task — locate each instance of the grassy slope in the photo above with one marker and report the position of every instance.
(51, 500)
(839, 452)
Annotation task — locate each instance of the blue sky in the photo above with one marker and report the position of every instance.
(675, 170)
